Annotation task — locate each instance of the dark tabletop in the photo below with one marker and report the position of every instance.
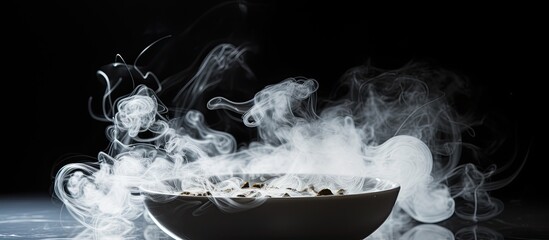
(42, 217)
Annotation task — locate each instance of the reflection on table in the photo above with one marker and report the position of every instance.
(38, 217)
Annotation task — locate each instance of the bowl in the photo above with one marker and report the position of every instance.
(350, 216)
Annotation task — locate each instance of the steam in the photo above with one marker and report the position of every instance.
(397, 125)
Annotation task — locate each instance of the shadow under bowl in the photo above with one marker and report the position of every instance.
(353, 216)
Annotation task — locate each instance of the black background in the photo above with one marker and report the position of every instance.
(54, 49)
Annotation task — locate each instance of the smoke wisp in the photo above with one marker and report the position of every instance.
(399, 125)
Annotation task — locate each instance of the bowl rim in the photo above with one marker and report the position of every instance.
(394, 186)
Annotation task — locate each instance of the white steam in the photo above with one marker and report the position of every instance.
(394, 125)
